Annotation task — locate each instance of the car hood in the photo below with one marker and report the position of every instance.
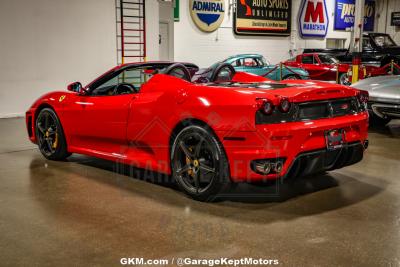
(381, 88)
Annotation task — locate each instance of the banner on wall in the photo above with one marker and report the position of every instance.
(344, 15)
(313, 18)
(395, 19)
(262, 17)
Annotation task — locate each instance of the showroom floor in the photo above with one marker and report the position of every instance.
(82, 212)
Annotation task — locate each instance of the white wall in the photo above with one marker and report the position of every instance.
(301, 43)
(45, 44)
(193, 45)
(384, 10)
(204, 49)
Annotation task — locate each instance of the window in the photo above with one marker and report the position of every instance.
(384, 41)
(247, 62)
(250, 62)
(328, 59)
(366, 43)
(308, 59)
(134, 76)
(335, 43)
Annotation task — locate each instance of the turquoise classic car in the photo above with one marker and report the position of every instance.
(257, 64)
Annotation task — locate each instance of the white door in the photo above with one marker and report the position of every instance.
(164, 42)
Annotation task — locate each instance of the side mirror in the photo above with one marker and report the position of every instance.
(75, 87)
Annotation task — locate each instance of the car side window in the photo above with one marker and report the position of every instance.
(308, 59)
(249, 62)
(259, 61)
(366, 43)
(134, 77)
(236, 63)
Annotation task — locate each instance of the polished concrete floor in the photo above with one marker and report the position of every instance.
(90, 212)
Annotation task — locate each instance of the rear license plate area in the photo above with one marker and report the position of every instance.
(335, 139)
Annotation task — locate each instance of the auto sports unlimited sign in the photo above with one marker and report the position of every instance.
(313, 18)
(262, 17)
(344, 15)
(207, 14)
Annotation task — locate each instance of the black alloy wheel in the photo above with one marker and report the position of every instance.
(50, 136)
(199, 164)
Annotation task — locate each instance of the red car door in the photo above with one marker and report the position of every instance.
(101, 122)
(99, 118)
(310, 63)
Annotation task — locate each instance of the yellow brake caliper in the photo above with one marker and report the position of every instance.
(55, 143)
(188, 161)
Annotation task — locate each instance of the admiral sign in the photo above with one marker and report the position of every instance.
(207, 14)
(263, 17)
(313, 18)
(344, 14)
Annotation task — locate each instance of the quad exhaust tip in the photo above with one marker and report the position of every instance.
(266, 167)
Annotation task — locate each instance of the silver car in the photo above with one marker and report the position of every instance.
(384, 97)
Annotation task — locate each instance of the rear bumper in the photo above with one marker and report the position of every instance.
(323, 160)
(294, 144)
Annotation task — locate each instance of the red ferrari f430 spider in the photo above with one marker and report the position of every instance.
(237, 127)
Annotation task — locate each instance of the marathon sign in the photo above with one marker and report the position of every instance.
(263, 17)
(313, 18)
(344, 15)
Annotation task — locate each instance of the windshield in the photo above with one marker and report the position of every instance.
(328, 59)
(384, 41)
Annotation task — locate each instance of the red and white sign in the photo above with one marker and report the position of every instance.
(313, 18)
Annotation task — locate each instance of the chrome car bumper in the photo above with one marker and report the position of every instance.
(386, 110)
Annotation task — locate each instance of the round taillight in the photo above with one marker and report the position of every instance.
(285, 105)
(268, 107)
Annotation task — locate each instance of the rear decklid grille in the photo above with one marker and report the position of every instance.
(313, 110)
(327, 109)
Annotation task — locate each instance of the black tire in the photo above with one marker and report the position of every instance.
(344, 79)
(375, 120)
(199, 164)
(291, 77)
(50, 135)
